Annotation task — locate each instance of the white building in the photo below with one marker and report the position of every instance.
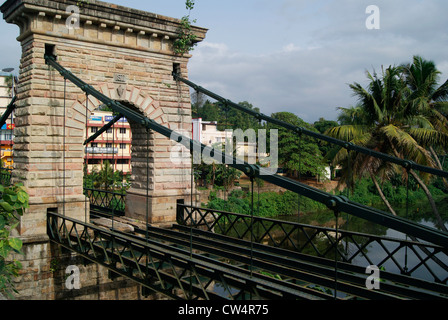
(207, 133)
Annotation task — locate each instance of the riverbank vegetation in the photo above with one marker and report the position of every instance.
(273, 204)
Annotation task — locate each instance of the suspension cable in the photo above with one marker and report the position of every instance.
(121, 147)
(86, 155)
(113, 176)
(8, 112)
(336, 213)
(340, 203)
(252, 227)
(344, 144)
(64, 146)
(147, 196)
(407, 216)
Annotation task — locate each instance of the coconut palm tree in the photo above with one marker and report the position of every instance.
(387, 120)
(430, 100)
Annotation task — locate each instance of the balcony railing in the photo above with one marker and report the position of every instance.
(102, 150)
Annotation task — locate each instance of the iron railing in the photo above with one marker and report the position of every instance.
(106, 203)
(183, 264)
(166, 269)
(396, 255)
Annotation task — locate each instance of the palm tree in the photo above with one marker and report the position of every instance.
(385, 120)
(427, 98)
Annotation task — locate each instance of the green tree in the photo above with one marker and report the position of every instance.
(428, 100)
(208, 111)
(105, 178)
(227, 117)
(323, 126)
(238, 119)
(386, 121)
(226, 176)
(297, 154)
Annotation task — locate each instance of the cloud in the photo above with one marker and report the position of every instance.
(298, 55)
(11, 49)
(291, 79)
(310, 75)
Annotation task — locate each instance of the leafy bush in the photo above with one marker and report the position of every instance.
(117, 204)
(266, 204)
(13, 202)
(273, 204)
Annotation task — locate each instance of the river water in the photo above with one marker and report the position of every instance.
(404, 257)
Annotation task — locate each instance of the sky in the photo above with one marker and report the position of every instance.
(295, 55)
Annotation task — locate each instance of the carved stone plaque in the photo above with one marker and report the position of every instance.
(120, 78)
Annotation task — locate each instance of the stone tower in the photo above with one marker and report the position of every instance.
(127, 55)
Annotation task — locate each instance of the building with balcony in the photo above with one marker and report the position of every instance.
(113, 146)
(7, 130)
(207, 133)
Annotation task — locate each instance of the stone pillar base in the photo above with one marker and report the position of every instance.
(34, 222)
(158, 209)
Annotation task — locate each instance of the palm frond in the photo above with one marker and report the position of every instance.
(347, 132)
(407, 145)
(429, 137)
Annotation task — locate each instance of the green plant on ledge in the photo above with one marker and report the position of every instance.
(14, 200)
(185, 41)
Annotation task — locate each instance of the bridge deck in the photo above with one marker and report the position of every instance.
(182, 262)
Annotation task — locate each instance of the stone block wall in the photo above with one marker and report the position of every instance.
(44, 276)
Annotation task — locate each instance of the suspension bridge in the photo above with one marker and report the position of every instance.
(208, 254)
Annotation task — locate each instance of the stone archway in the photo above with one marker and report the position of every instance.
(157, 183)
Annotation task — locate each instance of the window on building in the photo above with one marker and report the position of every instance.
(94, 130)
(109, 145)
(94, 161)
(123, 130)
(123, 146)
(109, 130)
(94, 145)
